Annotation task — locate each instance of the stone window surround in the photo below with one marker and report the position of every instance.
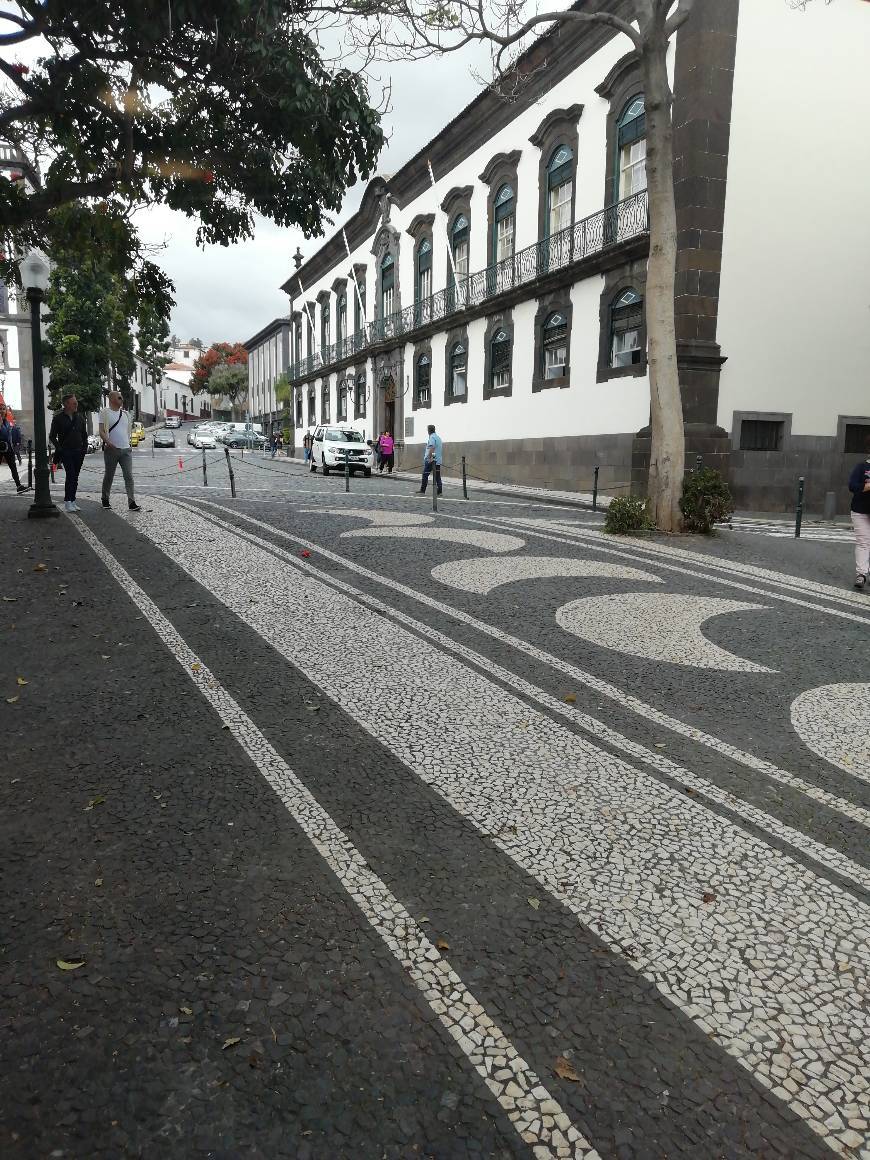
(355, 372)
(339, 287)
(326, 401)
(624, 81)
(501, 170)
(493, 325)
(615, 281)
(784, 417)
(312, 406)
(457, 201)
(359, 269)
(386, 242)
(422, 348)
(558, 128)
(457, 334)
(559, 301)
(324, 302)
(844, 421)
(311, 324)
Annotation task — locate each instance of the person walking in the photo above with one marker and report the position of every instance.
(70, 438)
(859, 485)
(8, 446)
(432, 457)
(273, 444)
(388, 452)
(115, 434)
(306, 446)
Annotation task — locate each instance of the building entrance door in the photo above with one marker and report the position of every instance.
(390, 405)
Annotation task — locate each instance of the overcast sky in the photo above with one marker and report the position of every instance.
(226, 294)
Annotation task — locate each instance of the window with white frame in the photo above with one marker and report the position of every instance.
(458, 370)
(626, 328)
(424, 270)
(388, 281)
(341, 319)
(499, 361)
(325, 327)
(560, 190)
(555, 346)
(631, 149)
(423, 383)
(341, 406)
(360, 396)
(459, 246)
(324, 403)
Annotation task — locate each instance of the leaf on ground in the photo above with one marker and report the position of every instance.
(231, 1042)
(570, 699)
(534, 903)
(660, 745)
(564, 1069)
(186, 1010)
(708, 896)
(97, 801)
(40, 567)
(105, 656)
(70, 965)
(305, 555)
(442, 945)
(11, 700)
(98, 882)
(196, 666)
(10, 599)
(21, 681)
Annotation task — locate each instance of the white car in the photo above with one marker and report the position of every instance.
(203, 439)
(332, 444)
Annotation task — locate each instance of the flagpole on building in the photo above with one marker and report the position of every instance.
(308, 312)
(362, 309)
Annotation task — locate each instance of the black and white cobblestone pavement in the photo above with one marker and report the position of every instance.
(382, 832)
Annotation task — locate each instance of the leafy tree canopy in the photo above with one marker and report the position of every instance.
(218, 354)
(229, 381)
(218, 108)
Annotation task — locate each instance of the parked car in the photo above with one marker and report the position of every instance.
(138, 428)
(173, 421)
(203, 439)
(244, 439)
(136, 438)
(332, 444)
(164, 439)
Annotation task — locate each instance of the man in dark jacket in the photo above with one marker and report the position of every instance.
(70, 438)
(859, 485)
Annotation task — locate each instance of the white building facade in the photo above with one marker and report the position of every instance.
(506, 303)
(268, 359)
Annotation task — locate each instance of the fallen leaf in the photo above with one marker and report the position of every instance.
(21, 681)
(442, 945)
(570, 699)
(40, 568)
(105, 656)
(11, 700)
(564, 1069)
(231, 1042)
(186, 1010)
(534, 903)
(660, 745)
(708, 897)
(98, 882)
(97, 801)
(196, 666)
(10, 599)
(305, 555)
(65, 965)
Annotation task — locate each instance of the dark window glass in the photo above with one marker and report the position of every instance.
(761, 434)
(341, 414)
(324, 403)
(424, 379)
(500, 361)
(360, 400)
(857, 439)
(458, 370)
(555, 346)
(311, 418)
(626, 328)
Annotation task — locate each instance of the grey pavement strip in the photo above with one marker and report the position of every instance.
(534, 1113)
(763, 955)
(802, 844)
(485, 573)
(624, 698)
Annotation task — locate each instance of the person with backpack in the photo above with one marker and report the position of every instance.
(859, 485)
(69, 436)
(9, 446)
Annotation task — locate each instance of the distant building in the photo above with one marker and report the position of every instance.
(268, 358)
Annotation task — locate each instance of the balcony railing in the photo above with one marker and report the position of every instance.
(616, 223)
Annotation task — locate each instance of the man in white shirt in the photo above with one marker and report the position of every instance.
(115, 434)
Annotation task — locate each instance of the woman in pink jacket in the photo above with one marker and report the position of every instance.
(386, 446)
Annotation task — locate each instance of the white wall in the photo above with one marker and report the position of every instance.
(794, 313)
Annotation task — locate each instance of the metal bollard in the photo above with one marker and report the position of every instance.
(699, 463)
(434, 488)
(799, 513)
(464, 479)
(30, 463)
(204, 470)
(152, 446)
(347, 471)
(595, 488)
(230, 470)
(51, 468)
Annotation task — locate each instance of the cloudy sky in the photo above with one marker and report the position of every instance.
(228, 293)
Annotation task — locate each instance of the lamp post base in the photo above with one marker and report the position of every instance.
(38, 511)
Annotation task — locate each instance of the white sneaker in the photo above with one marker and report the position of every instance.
(68, 505)
(75, 507)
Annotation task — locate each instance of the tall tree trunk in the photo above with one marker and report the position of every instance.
(667, 452)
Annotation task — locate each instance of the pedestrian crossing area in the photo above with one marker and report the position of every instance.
(784, 529)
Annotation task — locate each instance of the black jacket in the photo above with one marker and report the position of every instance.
(68, 432)
(860, 497)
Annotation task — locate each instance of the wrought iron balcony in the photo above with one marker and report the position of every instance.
(616, 223)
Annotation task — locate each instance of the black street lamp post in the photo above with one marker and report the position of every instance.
(35, 270)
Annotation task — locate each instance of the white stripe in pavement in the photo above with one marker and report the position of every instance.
(803, 844)
(523, 1097)
(762, 954)
(621, 696)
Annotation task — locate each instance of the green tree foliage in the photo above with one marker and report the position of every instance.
(283, 390)
(218, 354)
(229, 381)
(152, 340)
(218, 108)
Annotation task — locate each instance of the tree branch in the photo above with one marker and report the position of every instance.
(679, 18)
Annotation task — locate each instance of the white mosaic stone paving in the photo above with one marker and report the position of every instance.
(492, 541)
(657, 626)
(773, 966)
(483, 575)
(834, 722)
(623, 697)
(536, 1116)
(373, 516)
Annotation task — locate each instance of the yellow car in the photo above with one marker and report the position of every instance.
(137, 434)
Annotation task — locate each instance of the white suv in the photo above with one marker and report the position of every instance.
(332, 444)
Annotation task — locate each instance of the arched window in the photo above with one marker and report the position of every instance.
(299, 409)
(311, 419)
(631, 149)
(325, 327)
(424, 271)
(360, 396)
(423, 380)
(503, 217)
(341, 319)
(341, 406)
(458, 370)
(560, 190)
(626, 327)
(324, 403)
(555, 346)
(499, 361)
(459, 246)
(388, 276)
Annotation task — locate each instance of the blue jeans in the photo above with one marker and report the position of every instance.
(427, 469)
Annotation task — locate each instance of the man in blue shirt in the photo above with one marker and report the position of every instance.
(432, 458)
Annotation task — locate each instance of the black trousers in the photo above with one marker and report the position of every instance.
(427, 468)
(72, 464)
(387, 461)
(9, 457)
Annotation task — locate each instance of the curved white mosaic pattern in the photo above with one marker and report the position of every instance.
(492, 541)
(658, 627)
(485, 574)
(380, 519)
(834, 722)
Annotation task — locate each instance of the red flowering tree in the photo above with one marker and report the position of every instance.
(218, 354)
